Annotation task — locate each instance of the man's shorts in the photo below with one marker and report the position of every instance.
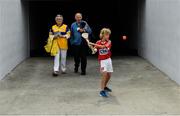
(106, 65)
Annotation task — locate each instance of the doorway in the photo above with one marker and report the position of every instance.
(121, 16)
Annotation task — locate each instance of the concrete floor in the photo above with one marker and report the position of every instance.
(138, 88)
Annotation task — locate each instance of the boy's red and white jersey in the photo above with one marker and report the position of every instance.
(104, 53)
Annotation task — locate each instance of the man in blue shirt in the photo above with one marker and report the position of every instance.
(79, 44)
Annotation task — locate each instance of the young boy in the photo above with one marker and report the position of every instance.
(103, 47)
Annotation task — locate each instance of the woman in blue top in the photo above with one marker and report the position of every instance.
(79, 44)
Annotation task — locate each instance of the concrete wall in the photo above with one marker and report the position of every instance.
(13, 35)
(159, 40)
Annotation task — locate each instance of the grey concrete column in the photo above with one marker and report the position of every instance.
(13, 35)
(160, 35)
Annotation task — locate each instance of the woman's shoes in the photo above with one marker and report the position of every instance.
(55, 73)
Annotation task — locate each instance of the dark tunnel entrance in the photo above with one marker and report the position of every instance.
(121, 16)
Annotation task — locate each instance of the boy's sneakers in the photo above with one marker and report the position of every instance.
(103, 93)
(107, 89)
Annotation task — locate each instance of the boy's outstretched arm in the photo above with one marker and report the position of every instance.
(108, 45)
(97, 45)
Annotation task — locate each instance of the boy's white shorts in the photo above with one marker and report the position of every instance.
(106, 65)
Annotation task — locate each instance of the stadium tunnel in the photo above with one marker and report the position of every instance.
(121, 16)
(147, 28)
